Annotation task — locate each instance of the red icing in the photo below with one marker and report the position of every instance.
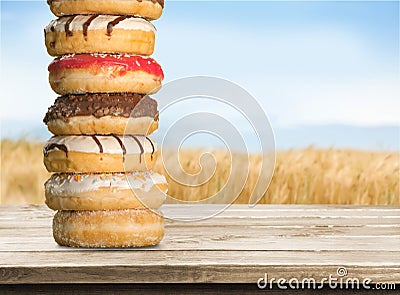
(122, 63)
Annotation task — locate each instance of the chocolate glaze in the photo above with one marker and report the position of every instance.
(102, 104)
(140, 146)
(152, 146)
(86, 25)
(53, 146)
(113, 23)
(122, 146)
(64, 148)
(97, 141)
(68, 32)
(161, 2)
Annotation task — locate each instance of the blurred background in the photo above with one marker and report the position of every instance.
(325, 72)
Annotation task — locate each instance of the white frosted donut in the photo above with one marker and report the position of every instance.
(105, 191)
(99, 33)
(151, 9)
(99, 153)
(107, 73)
(108, 228)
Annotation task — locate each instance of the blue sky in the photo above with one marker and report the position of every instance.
(307, 63)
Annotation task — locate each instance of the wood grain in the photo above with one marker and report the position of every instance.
(238, 245)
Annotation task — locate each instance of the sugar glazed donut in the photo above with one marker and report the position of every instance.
(102, 113)
(96, 153)
(91, 73)
(151, 9)
(105, 191)
(108, 228)
(99, 33)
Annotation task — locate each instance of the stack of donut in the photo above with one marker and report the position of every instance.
(103, 188)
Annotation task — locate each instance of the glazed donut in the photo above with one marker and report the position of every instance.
(108, 229)
(151, 9)
(99, 33)
(96, 153)
(82, 73)
(105, 191)
(102, 113)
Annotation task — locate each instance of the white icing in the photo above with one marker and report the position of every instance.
(86, 144)
(62, 185)
(100, 23)
(104, 55)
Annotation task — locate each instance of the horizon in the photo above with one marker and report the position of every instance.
(309, 64)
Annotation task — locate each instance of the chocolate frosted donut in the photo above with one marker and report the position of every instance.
(99, 153)
(151, 9)
(102, 113)
(99, 33)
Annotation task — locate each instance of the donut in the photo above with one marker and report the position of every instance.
(99, 153)
(151, 9)
(99, 33)
(102, 113)
(108, 228)
(93, 73)
(105, 191)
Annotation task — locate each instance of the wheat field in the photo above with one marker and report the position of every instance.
(303, 176)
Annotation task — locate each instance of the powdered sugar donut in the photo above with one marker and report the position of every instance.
(99, 153)
(108, 228)
(99, 33)
(108, 73)
(151, 9)
(105, 191)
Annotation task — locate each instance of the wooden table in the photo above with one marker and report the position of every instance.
(239, 245)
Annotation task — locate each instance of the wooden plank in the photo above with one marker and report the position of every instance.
(140, 256)
(212, 230)
(230, 243)
(232, 239)
(266, 221)
(241, 210)
(38, 216)
(259, 234)
(239, 207)
(238, 245)
(190, 266)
